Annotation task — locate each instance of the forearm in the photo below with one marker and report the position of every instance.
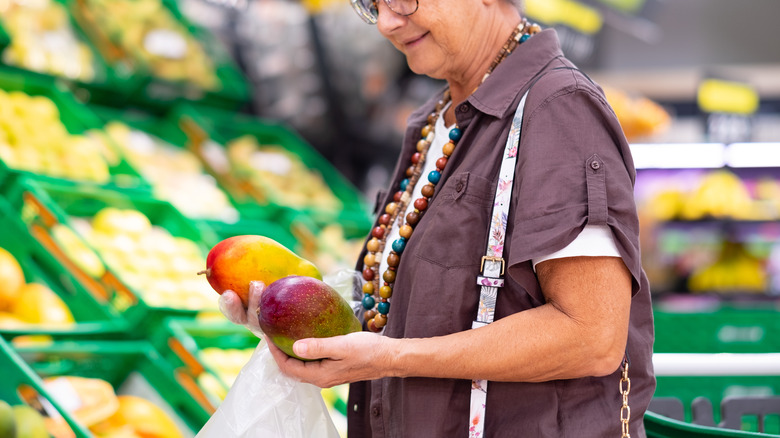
(536, 345)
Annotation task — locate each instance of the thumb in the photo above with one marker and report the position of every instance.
(312, 348)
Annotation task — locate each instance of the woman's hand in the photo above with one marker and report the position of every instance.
(233, 308)
(343, 359)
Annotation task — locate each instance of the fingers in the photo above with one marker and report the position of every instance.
(256, 289)
(231, 306)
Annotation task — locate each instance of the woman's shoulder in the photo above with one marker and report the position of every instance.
(562, 80)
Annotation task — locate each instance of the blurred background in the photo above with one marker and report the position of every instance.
(136, 134)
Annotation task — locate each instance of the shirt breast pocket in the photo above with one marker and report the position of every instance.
(456, 224)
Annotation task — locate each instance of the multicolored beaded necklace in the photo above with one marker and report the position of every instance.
(376, 298)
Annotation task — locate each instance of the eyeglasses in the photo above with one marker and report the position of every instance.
(368, 11)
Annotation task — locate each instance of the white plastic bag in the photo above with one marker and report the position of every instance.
(264, 403)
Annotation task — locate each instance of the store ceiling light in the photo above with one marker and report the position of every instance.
(678, 155)
(753, 155)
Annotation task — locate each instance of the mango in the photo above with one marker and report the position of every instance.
(298, 307)
(29, 423)
(7, 421)
(11, 278)
(237, 261)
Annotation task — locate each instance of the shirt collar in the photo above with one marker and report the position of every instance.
(496, 95)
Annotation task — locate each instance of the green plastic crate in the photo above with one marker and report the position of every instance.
(132, 368)
(77, 120)
(44, 205)
(750, 327)
(162, 129)
(182, 344)
(92, 320)
(102, 80)
(658, 426)
(715, 389)
(201, 124)
(154, 92)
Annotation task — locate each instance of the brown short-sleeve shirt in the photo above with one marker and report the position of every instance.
(574, 168)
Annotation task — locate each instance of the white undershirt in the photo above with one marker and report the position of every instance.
(593, 241)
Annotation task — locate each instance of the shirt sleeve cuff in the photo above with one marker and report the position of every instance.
(593, 241)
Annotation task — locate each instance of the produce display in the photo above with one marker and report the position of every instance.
(94, 404)
(639, 116)
(34, 139)
(279, 175)
(235, 262)
(23, 304)
(145, 35)
(148, 258)
(43, 40)
(175, 173)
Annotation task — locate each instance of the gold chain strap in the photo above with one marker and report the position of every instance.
(625, 410)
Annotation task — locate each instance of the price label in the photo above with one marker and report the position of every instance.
(727, 97)
(165, 43)
(64, 393)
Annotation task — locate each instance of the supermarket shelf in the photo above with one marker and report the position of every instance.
(705, 155)
(716, 364)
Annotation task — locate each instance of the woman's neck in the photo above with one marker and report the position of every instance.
(463, 87)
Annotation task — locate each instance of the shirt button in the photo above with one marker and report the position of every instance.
(375, 412)
(459, 187)
(595, 165)
(463, 108)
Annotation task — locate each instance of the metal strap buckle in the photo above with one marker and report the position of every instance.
(492, 259)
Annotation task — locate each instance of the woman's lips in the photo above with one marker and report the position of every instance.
(414, 41)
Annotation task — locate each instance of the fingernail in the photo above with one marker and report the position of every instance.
(300, 348)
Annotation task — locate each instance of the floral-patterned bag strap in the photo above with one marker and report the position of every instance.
(492, 267)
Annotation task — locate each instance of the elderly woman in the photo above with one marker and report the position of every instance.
(562, 254)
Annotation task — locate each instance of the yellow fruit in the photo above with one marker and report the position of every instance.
(29, 423)
(78, 251)
(112, 220)
(11, 278)
(37, 304)
(97, 399)
(144, 417)
(7, 421)
(10, 321)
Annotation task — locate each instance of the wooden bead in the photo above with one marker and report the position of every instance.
(412, 218)
(380, 321)
(391, 207)
(422, 145)
(432, 118)
(373, 245)
(416, 158)
(410, 171)
(368, 288)
(405, 231)
(368, 274)
(385, 291)
(389, 276)
(384, 219)
(369, 260)
(371, 324)
(393, 259)
(426, 130)
(378, 232)
(441, 162)
(397, 196)
(421, 204)
(370, 314)
(448, 148)
(428, 190)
